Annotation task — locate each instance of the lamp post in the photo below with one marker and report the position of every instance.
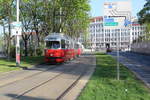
(17, 39)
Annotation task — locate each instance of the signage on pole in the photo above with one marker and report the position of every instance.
(113, 22)
(16, 28)
(17, 24)
(116, 15)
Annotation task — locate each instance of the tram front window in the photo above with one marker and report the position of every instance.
(53, 44)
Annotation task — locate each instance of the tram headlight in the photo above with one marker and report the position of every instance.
(51, 54)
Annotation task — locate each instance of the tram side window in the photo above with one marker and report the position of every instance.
(67, 45)
(63, 44)
(71, 45)
(53, 44)
(76, 46)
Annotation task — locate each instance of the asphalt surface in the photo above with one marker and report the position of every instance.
(139, 64)
(47, 82)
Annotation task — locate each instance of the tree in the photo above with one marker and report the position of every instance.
(6, 16)
(144, 18)
(43, 17)
(144, 14)
(76, 19)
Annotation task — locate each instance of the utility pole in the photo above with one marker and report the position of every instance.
(118, 43)
(60, 30)
(17, 39)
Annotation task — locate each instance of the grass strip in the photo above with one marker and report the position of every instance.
(103, 85)
(9, 65)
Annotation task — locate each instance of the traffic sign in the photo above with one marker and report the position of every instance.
(108, 19)
(111, 24)
(17, 24)
(127, 22)
(117, 15)
(16, 28)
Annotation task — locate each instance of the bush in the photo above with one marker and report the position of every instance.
(13, 51)
(39, 51)
(31, 51)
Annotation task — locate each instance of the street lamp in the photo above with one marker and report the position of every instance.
(17, 39)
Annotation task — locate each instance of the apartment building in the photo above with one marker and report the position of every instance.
(101, 38)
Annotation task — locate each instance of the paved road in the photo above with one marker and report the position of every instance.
(138, 63)
(48, 82)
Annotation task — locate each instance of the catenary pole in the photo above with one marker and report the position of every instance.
(17, 39)
(118, 68)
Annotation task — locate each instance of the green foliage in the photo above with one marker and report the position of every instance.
(46, 16)
(77, 17)
(1, 40)
(144, 18)
(12, 51)
(39, 51)
(6, 65)
(31, 51)
(144, 14)
(7, 14)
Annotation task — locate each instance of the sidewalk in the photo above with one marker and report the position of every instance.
(142, 72)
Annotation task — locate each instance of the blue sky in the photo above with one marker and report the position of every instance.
(97, 6)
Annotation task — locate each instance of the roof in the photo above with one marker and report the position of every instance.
(56, 36)
(32, 33)
(98, 18)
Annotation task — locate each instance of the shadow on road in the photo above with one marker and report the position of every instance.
(24, 97)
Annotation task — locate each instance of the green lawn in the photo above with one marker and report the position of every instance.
(6, 65)
(104, 86)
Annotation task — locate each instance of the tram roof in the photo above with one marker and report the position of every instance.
(57, 36)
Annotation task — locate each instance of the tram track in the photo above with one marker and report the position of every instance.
(53, 83)
(71, 86)
(32, 75)
(53, 78)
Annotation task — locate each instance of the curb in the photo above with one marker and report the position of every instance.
(74, 93)
(135, 73)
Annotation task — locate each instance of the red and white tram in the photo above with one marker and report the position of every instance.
(61, 48)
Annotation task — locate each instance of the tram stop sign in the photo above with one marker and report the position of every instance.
(16, 28)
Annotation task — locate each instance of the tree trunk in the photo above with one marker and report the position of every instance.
(4, 48)
(38, 38)
(9, 39)
(26, 47)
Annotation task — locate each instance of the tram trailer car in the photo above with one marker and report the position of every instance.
(60, 48)
(80, 48)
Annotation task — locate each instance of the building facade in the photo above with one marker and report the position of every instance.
(101, 38)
